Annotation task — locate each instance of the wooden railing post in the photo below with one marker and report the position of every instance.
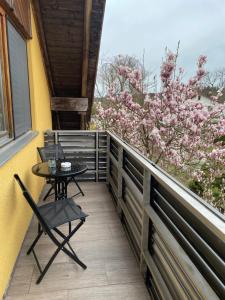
(96, 155)
(108, 159)
(120, 178)
(145, 219)
(56, 137)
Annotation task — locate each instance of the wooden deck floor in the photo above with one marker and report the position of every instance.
(101, 243)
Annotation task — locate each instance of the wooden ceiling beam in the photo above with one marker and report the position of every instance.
(86, 42)
(69, 104)
(42, 40)
(98, 10)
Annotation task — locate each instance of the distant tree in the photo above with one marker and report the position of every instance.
(108, 76)
(212, 82)
(215, 79)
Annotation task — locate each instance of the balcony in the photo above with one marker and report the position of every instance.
(145, 232)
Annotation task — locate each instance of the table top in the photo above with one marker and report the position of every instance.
(43, 170)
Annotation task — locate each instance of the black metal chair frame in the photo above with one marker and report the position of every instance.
(57, 155)
(52, 187)
(44, 228)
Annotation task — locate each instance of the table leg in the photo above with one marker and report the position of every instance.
(61, 189)
(56, 189)
(66, 185)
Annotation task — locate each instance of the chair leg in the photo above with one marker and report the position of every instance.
(69, 227)
(64, 237)
(60, 246)
(48, 193)
(73, 254)
(47, 266)
(66, 241)
(35, 242)
(78, 186)
(75, 258)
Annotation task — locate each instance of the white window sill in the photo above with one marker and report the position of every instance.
(13, 147)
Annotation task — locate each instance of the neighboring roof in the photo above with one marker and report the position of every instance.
(70, 34)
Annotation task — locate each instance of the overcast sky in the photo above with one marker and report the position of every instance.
(133, 25)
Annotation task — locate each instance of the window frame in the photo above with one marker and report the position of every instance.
(8, 135)
(6, 83)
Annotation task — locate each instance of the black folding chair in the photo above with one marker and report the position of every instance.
(56, 152)
(50, 216)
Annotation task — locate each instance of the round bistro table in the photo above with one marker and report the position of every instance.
(61, 177)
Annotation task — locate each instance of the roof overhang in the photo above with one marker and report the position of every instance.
(70, 34)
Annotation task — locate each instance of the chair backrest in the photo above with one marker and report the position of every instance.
(51, 152)
(31, 202)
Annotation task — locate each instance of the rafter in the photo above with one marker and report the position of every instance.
(86, 42)
(41, 34)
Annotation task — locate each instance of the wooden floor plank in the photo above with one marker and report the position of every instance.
(101, 243)
(62, 295)
(112, 292)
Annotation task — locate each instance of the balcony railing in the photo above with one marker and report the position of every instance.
(178, 239)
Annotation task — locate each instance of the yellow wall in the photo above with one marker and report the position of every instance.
(15, 215)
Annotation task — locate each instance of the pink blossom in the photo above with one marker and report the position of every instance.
(202, 61)
(168, 67)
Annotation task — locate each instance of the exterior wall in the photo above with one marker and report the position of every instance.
(15, 215)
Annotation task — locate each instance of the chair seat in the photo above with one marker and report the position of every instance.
(61, 212)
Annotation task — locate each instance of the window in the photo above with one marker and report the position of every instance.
(15, 116)
(19, 81)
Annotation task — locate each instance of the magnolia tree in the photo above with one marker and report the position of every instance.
(172, 127)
